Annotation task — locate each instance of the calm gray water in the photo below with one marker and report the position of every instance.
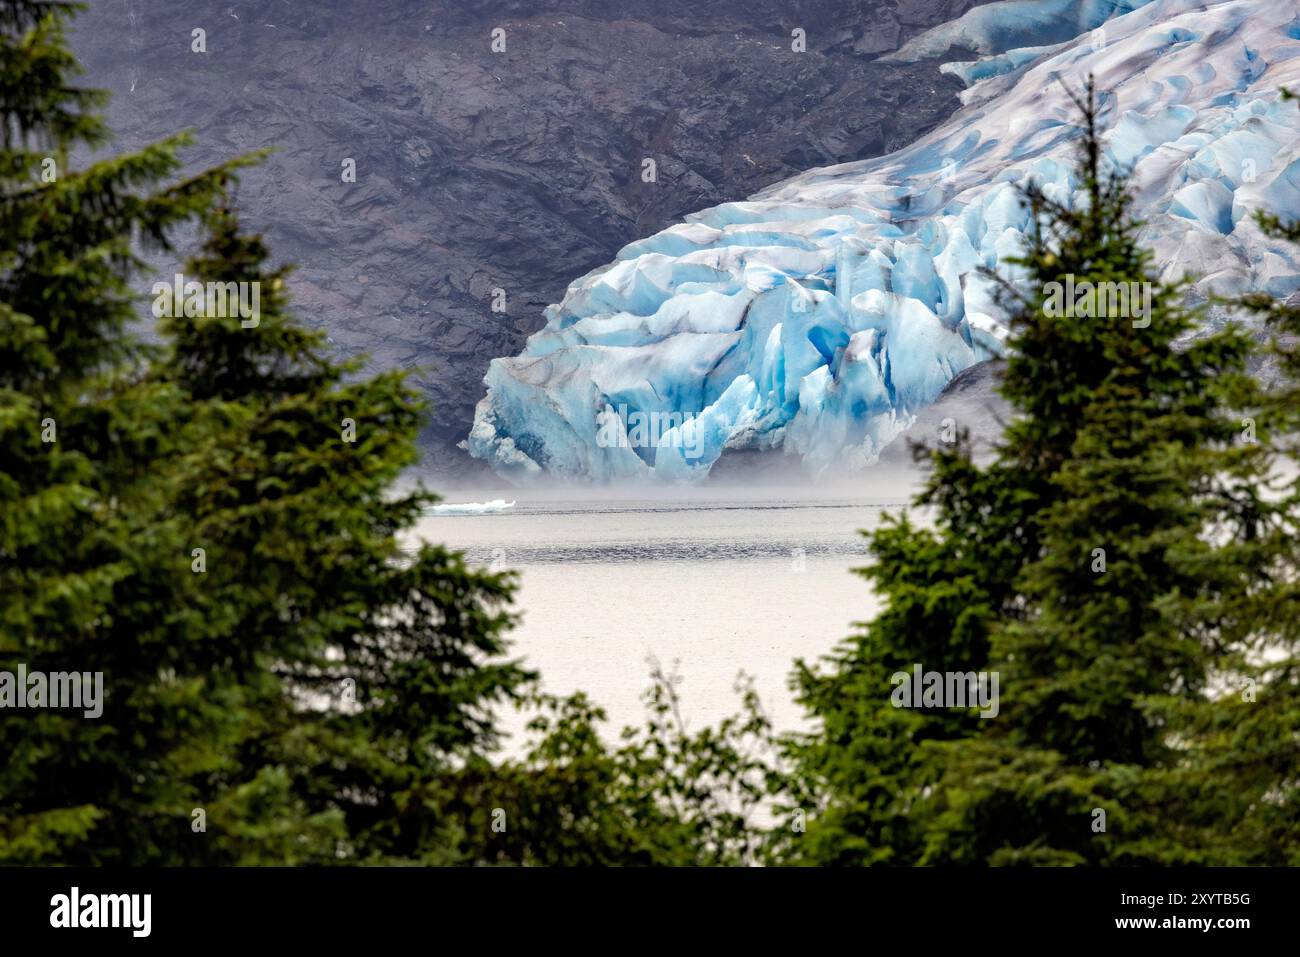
(718, 582)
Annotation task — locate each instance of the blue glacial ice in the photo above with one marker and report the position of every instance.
(819, 317)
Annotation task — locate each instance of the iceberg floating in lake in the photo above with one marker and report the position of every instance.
(471, 508)
(819, 317)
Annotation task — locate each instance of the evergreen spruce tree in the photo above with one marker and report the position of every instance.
(1105, 565)
(91, 563)
(211, 524)
(385, 664)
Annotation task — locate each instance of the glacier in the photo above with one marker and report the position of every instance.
(818, 318)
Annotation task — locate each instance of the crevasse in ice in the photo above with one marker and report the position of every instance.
(818, 317)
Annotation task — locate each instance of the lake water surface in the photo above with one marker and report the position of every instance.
(716, 581)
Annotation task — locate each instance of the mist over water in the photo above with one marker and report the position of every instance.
(717, 580)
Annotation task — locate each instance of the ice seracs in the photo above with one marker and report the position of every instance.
(818, 318)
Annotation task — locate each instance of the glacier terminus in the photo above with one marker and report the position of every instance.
(819, 317)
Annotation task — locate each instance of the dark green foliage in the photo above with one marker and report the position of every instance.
(84, 440)
(663, 795)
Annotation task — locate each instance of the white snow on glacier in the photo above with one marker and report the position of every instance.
(820, 316)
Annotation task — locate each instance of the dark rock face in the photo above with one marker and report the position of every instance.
(518, 170)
